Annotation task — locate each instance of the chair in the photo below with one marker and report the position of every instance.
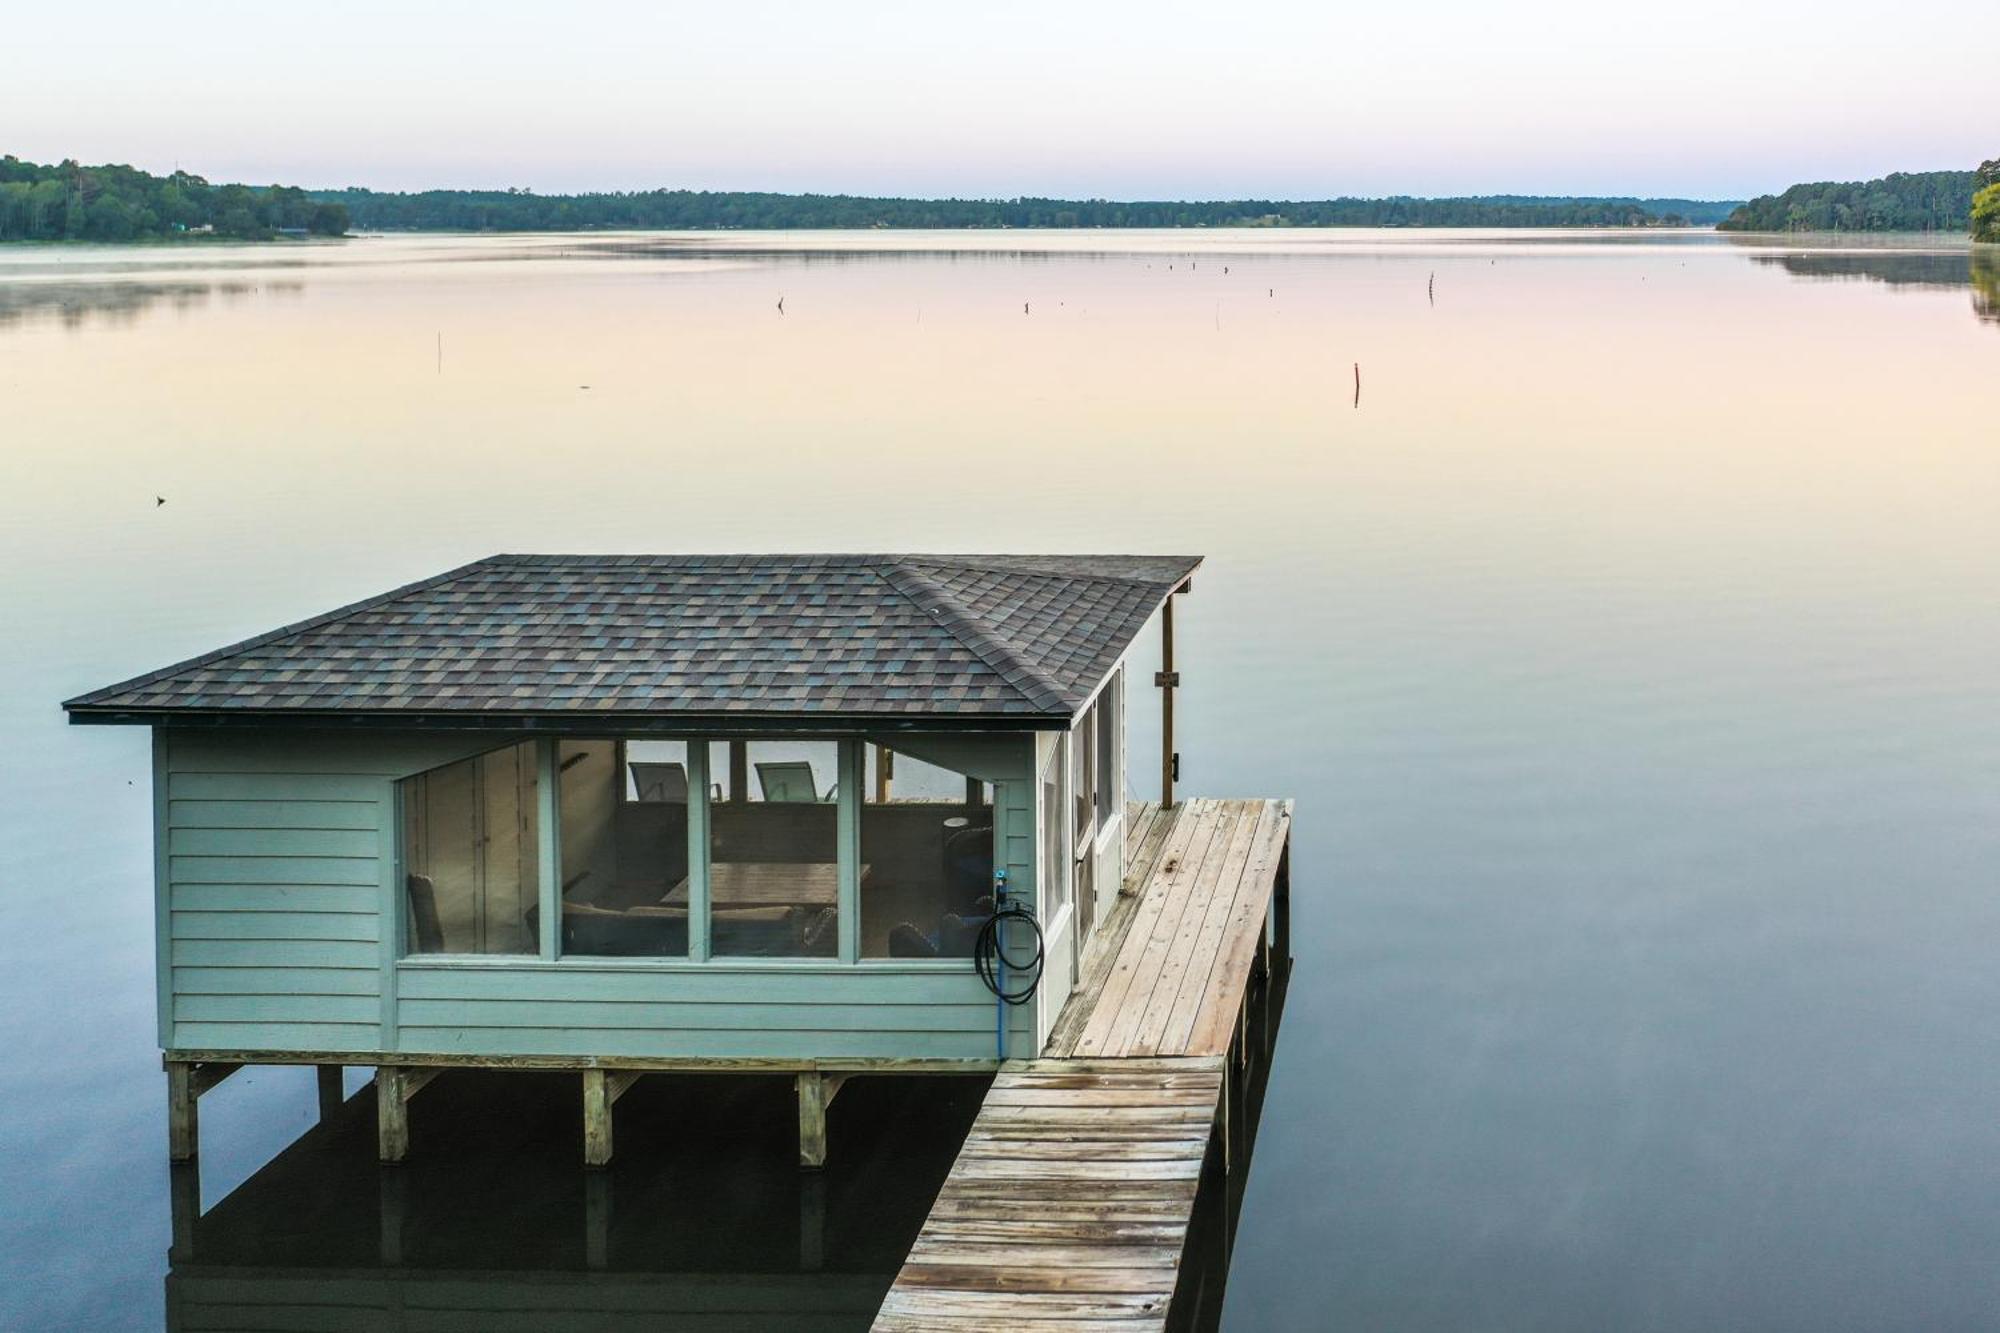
(790, 781)
(659, 782)
(429, 931)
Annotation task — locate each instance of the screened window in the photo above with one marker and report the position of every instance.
(774, 840)
(1108, 715)
(1055, 864)
(926, 857)
(471, 857)
(1082, 775)
(623, 829)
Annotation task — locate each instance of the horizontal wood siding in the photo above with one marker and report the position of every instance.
(273, 891)
(709, 1010)
(275, 858)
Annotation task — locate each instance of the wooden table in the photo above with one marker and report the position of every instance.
(767, 884)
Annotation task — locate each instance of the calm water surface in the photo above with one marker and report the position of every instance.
(1629, 646)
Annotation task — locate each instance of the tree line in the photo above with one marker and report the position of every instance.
(1986, 203)
(679, 210)
(71, 202)
(1902, 201)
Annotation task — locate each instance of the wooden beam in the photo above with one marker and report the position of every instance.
(394, 1086)
(885, 773)
(816, 1093)
(186, 1081)
(183, 1127)
(601, 1090)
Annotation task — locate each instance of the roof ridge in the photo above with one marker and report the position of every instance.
(989, 563)
(1032, 683)
(285, 631)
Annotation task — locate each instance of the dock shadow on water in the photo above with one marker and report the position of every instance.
(703, 1221)
(1218, 1206)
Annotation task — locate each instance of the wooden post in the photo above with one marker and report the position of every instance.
(739, 770)
(597, 1220)
(186, 1081)
(332, 1093)
(1228, 1079)
(975, 792)
(812, 1222)
(1167, 680)
(391, 1203)
(601, 1090)
(394, 1086)
(596, 1119)
(184, 1197)
(183, 1123)
(816, 1093)
(885, 773)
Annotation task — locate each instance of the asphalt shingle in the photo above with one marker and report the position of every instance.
(786, 635)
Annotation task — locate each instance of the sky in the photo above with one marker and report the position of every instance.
(1261, 98)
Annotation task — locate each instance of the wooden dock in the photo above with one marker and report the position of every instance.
(1069, 1204)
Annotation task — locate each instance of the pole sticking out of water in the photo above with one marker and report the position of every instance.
(1357, 384)
(1433, 290)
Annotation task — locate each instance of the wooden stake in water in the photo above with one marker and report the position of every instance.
(1357, 384)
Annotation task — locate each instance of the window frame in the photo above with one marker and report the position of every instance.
(548, 861)
(851, 767)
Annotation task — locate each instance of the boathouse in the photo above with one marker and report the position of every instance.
(629, 813)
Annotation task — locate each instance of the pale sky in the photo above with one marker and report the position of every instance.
(1269, 98)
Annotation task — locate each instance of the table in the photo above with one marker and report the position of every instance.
(767, 884)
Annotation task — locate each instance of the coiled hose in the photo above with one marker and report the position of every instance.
(993, 963)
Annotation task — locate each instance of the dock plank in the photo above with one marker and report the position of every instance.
(1069, 1203)
(1170, 968)
(1065, 1210)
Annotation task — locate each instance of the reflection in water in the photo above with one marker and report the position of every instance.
(77, 303)
(1986, 283)
(1633, 646)
(1977, 267)
(702, 1222)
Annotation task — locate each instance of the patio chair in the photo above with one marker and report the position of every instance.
(424, 923)
(659, 782)
(791, 781)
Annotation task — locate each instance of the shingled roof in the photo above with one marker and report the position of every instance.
(517, 639)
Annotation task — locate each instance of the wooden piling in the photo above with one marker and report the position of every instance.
(183, 1126)
(187, 1080)
(332, 1092)
(816, 1093)
(394, 1086)
(601, 1090)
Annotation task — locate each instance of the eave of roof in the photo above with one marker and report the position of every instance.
(1033, 699)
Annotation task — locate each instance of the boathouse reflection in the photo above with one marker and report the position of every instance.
(704, 1221)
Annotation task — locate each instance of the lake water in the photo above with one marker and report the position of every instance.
(1629, 646)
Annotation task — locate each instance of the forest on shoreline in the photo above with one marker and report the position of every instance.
(72, 202)
(1938, 201)
(114, 203)
(706, 210)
